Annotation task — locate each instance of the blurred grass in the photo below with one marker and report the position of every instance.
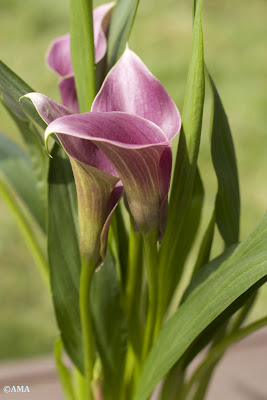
(235, 50)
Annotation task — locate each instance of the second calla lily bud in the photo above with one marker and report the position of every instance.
(59, 57)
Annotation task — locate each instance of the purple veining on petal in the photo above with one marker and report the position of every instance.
(130, 87)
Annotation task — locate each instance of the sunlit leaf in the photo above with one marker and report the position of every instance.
(224, 161)
(63, 253)
(12, 88)
(82, 51)
(122, 20)
(186, 160)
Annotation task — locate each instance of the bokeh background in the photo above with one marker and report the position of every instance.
(235, 33)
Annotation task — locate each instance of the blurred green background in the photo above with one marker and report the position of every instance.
(235, 35)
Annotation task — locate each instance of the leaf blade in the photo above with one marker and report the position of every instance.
(15, 165)
(227, 204)
(246, 266)
(13, 87)
(122, 20)
(83, 52)
(110, 324)
(36, 150)
(63, 253)
(186, 160)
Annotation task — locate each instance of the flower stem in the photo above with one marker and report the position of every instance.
(151, 258)
(133, 289)
(87, 272)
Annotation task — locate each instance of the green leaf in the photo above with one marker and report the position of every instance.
(217, 327)
(224, 161)
(82, 51)
(205, 247)
(245, 267)
(37, 152)
(26, 225)
(12, 88)
(63, 253)
(190, 227)
(16, 167)
(186, 161)
(110, 325)
(217, 352)
(121, 24)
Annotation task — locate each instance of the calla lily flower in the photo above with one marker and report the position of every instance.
(127, 135)
(59, 57)
(98, 186)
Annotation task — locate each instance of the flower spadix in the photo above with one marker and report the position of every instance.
(132, 122)
(59, 57)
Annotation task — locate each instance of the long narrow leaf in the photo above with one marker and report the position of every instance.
(26, 226)
(122, 20)
(37, 153)
(205, 247)
(110, 325)
(63, 252)
(186, 161)
(13, 87)
(16, 167)
(245, 266)
(190, 227)
(224, 161)
(82, 51)
(218, 351)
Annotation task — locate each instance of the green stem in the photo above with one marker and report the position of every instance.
(151, 257)
(63, 372)
(133, 289)
(87, 272)
(79, 384)
(16, 208)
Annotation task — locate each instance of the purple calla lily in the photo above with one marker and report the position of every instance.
(59, 57)
(98, 186)
(127, 135)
